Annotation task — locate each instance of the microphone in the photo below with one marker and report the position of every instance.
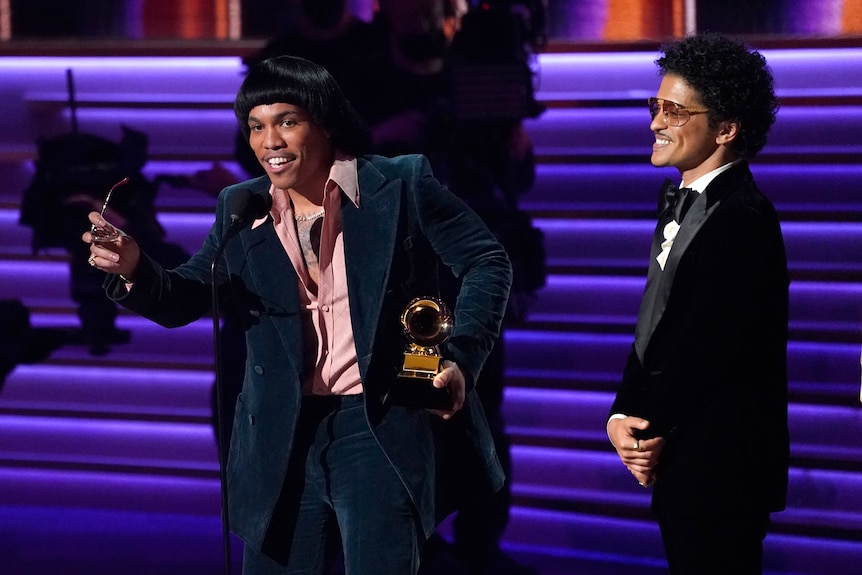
(244, 207)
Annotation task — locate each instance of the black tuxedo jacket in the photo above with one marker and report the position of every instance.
(708, 368)
(405, 223)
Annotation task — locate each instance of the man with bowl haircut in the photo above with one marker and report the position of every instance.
(322, 457)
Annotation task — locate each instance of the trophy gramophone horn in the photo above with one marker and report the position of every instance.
(427, 322)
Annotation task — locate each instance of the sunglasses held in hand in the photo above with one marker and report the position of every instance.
(107, 233)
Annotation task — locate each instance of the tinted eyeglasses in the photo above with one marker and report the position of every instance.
(674, 114)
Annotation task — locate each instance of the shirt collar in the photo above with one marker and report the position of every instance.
(700, 184)
(343, 173)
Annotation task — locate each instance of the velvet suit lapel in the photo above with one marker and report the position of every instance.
(276, 283)
(369, 241)
(370, 232)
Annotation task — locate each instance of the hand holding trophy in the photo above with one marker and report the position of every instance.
(426, 323)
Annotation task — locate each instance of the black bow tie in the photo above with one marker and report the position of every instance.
(677, 199)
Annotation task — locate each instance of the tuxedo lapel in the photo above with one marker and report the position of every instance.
(648, 302)
(659, 282)
(691, 224)
(703, 207)
(694, 220)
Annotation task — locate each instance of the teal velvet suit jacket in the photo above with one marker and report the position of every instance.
(406, 221)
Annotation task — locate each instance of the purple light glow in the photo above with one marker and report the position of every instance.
(164, 446)
(818, 18)
(590, 226)
(824, 72)
(632, 73)
(555, 397)
(104, 490)
(121, 391)
(201, 222)
(110, 63)
(570, 534)
(37, 269)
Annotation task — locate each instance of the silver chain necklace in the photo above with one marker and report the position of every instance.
(309, 217)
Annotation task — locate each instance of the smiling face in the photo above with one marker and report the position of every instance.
(695, 148)
(295, 151)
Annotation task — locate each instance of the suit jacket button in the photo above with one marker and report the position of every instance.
(258, 370)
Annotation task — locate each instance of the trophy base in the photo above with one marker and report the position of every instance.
(411, 391)
(421, 365)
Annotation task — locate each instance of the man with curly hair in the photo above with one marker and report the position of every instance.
(701, 413)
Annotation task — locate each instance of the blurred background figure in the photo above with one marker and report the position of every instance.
(411, 90)
(74, 172)
(327, 33)
(485, 91)
(20, 342)
(392, 69)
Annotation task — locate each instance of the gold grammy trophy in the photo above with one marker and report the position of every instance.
(427, 323)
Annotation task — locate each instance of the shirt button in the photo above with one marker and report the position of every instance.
(325, 308)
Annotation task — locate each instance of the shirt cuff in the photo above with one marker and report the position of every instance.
(611, 418)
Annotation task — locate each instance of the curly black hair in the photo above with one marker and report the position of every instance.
(733, 82)
(301, 82)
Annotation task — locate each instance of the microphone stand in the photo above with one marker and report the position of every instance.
(222, 445)
(245, 207)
